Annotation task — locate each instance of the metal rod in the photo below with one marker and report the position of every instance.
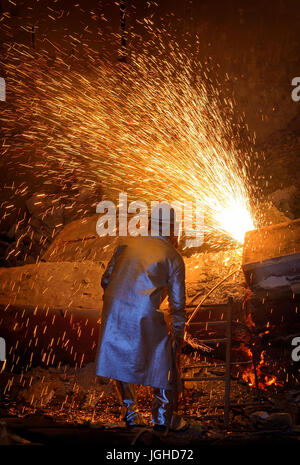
(228, 360)
(208, 294)
(213, 323)
(211, 365)
(255, 374)
(212, 341)
(205, 378)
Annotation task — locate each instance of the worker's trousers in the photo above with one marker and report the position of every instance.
(162, 408)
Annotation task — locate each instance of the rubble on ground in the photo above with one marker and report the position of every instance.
(57, 397)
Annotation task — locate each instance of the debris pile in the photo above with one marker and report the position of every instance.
(56, 401)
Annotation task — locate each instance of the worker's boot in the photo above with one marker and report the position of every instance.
(127, 396)
(162, 408)
(163, 416)
(178, 423)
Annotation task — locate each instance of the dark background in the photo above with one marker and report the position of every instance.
(256, 42)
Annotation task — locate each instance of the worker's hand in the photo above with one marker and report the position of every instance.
(177, 344)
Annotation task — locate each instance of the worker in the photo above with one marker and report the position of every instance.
(135, 346)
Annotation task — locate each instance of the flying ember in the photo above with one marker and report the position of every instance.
(157, 128)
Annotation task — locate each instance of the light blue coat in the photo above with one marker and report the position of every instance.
(134, 345)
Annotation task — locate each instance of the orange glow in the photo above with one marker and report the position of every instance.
(249, 377)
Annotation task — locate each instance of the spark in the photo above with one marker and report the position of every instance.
(158, 129)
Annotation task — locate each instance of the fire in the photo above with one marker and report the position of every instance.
(269, 381)
(263, 380)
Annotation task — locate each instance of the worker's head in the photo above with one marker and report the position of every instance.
(162, 222)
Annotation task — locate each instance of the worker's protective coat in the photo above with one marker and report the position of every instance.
(134, 345)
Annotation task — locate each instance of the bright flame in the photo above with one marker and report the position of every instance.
(235, 220)
(263, 380)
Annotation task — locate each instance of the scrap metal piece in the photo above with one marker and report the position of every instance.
(271, 258)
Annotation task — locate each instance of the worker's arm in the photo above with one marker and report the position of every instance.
(176, 293)
(110, 267)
